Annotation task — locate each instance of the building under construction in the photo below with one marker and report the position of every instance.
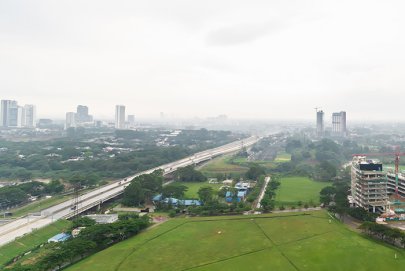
(369, 186)
(391, 183)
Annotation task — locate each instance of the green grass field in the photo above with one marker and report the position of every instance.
(282, 157)
(30, 241)
(222, 165)
(192, 192)
(267, 242)
(294, 189)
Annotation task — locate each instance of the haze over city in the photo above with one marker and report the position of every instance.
(268, 60)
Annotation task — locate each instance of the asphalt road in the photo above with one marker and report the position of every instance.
(19, 227)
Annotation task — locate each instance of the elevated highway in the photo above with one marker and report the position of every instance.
(24, 225)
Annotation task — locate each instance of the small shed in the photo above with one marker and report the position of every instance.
(59, 238)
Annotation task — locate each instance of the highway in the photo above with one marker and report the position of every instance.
(24, 225)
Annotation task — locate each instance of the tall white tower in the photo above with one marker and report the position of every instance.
(120, 117)
(29, 116)
(70, 120)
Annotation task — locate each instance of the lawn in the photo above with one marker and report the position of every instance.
(301, 241)
(192, 192)
(222, 165)
(295, 189)
(30, 241)
(282, 157)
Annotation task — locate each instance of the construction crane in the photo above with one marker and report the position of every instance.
(397, 154)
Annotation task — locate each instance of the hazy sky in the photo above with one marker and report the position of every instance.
(247, 59)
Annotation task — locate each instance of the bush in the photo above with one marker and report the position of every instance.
(172, 213)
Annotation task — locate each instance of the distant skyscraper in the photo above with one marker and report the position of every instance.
(82, 114)
(9, 113)
(29, 116)
(339, 123)
(319, 123)
(119, 117)
(20, 117)
(131, 120)
(70, 120)
(13, 115)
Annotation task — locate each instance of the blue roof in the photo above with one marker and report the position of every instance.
(59, 237)
(172, 200)
(157, 197)
(228, 194)
(189, 202)
(241, 194)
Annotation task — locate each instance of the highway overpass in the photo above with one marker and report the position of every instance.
(24, 225)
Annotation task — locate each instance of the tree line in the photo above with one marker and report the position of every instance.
(94, 238)
(267, 203)
(384, 233)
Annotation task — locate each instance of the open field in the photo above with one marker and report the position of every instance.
(30, 241)
(282, 157)
(307, 241)
(231, 165)
(193, 188)
(222, 165)
(294, 189)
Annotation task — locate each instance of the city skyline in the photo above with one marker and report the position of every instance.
(205, 59)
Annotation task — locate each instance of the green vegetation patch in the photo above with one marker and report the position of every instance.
(192, 188)
(310, 241)
(282, 157)
(31, 241)
(342, 250)
(222, 165)
(295, 189)
(267, 259)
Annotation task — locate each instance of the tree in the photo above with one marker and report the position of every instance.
(79, 247)
(176, 191)
(267, 204)
(189, 174)
(327, 194)
(254, 172)
(22, 175)
(133, 194)
(142, 188)
(54, 187)
(83, 221)
(206, 193)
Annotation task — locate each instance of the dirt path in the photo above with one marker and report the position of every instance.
(266, 182)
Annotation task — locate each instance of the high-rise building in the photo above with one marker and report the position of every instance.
(70, 120)
(82, 114)
(20, 116)
(9, 113)
(131, 120)
(320, 129)
(29, 119)
(120, 117)
(13, 115)
(339, 123)
(369, 184)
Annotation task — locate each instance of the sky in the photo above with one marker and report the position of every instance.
(274, 59)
